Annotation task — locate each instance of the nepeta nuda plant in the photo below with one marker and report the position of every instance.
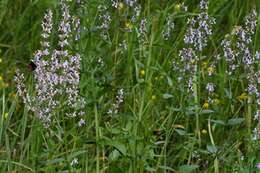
(57, 75)
(196, 38)
(239, 55)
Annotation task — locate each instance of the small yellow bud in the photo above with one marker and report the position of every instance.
(120, 6)
(204, 131)
(5, 115)
(205, 105)
(128, 25)
(153, 97)
(177, 7)
(142, 72)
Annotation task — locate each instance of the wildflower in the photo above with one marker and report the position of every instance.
(199, 28)
(120, 5)
(123, 45)
(105, 19)
(6, 115)
(142, 72)
(142, 31)
(258, 166)
(57, 72)
(118, 102)
(180, 7)
(243, 96)
(205, 105)
(210, 87)
(128, 26)
(81, 122)
(74, 162)
(204, 131)
(257, 115)
(211, 70)
(168, 28)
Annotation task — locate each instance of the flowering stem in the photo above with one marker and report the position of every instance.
(196, 102)
(97, 139)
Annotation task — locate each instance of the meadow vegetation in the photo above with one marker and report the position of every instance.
(129, 86)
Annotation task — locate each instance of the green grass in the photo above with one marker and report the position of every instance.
(159, 127)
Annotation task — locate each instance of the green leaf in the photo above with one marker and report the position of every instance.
(212, 149)
(187, 168)
(167, 96)
(114, 155)
(207, 111)
(180, 132)
(235, 121)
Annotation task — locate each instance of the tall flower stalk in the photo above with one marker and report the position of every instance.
(196, 38)
(57, 73)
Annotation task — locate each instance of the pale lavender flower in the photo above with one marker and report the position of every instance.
(105, 19)
(168, 28)
(57, 73)
(200, 28)
(210, 87)
(119, 100)
(142, 31)
(74, 162)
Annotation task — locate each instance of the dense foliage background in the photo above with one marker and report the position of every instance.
(156, 126)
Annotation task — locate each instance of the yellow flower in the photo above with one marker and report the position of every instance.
(153, 97)
(142, 72)
(177, 7)
(243, 96)
(204, 131)
(120, 6)
(211, 70)
(128, 25)
(205, 105)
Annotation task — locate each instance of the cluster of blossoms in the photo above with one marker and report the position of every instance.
(105, 19)
(57, 73)
(142, 31)
(196, 37)
(238, 53)
(200, 28)
(168, 28)
(118, 102)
